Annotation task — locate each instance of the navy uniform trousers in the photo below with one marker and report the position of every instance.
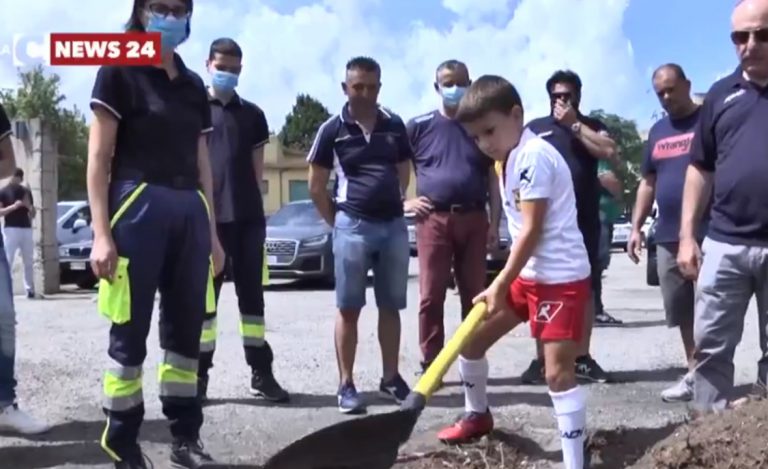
(163, 242)
(243, 242)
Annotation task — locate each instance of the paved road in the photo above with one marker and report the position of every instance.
(62, 343)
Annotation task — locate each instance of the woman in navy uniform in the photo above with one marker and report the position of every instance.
(149, 188)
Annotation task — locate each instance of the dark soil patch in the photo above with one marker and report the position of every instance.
(608, 449)
(734, 439)
(622, 447)
(497, 451)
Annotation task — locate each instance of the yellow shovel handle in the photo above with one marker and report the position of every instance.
(434, 374)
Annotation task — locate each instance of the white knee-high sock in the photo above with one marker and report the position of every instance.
(474, 378)
(571, 412)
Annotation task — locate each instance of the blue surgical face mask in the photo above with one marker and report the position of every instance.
(173, 30)
(223, 81)
(452, 95)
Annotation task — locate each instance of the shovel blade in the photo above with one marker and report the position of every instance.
(370, 442)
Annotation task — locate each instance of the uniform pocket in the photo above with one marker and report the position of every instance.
(115, 295)
(210, 293)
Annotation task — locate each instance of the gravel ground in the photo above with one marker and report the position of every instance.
(62, 343)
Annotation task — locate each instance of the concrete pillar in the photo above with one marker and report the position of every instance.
(36, 149)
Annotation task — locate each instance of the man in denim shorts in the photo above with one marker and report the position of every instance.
(368, 148)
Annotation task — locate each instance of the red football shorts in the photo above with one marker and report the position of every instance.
(555, 311)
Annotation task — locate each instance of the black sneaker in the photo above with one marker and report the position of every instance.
(189, 455)
(202, 388)
(264, 385)
(396, 388)
(606, 320)
(141, 462)
(587, 369)
(535, 372)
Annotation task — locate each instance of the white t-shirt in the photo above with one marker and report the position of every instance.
(536, 170)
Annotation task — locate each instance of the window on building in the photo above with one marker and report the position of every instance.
(264, 186)
(297, 190)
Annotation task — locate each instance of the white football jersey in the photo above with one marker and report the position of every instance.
(536, 170)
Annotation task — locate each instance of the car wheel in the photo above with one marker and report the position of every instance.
(86, 282)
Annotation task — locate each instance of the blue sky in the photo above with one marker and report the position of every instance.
(294, 46)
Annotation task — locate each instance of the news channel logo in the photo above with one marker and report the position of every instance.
(27, 50)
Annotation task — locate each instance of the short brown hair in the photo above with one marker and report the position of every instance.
(487, 94)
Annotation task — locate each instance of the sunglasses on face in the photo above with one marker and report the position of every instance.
(163, 10)
(740, 38)
(561, 96)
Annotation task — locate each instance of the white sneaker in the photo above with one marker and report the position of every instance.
(17, 421)
(680, 392)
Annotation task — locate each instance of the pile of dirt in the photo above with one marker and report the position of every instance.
(735, 439)
(491, 452)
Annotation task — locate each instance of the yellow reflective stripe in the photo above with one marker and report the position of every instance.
(209, 331)
(252, 330)
(205, 202)
(265, 269)
(105, 446)
(170, 374)
(114, 386)
(127, 203)
(252, 326)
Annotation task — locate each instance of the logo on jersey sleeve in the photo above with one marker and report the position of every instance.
(526, 175)
(547, 311)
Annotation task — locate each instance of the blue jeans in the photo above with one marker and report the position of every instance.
(360, 245)
(7, 334)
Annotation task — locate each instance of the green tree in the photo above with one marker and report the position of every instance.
(630, 145)
(38, 95)
(302, 122)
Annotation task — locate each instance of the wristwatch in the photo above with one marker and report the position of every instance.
(576, 127)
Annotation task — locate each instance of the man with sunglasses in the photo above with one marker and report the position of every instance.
(582, 141)
(729, 160)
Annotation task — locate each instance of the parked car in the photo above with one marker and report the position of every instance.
(622, 228)
(73, 222)
(75, 266)
(299, 244)
(651, 275)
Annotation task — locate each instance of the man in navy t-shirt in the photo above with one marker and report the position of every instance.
(454, 183)
(729, 160)
(368, 148)
(666, 160)
(582, 141)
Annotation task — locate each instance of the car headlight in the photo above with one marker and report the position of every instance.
(314, 241)
(63, 252)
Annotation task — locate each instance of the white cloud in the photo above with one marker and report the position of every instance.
(305, 51)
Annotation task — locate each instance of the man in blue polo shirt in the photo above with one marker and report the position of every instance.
(667, 155)
(582, 141)
(368, 148)
(730, 159)
(454, 183)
